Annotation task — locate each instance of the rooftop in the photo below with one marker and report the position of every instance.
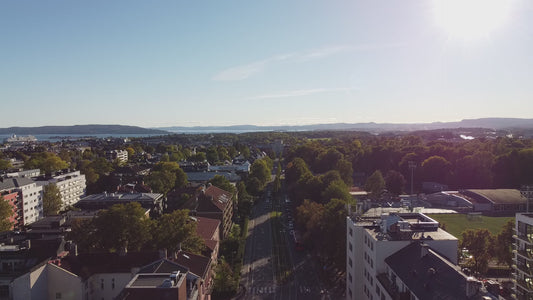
(402, 226)
(429, 275)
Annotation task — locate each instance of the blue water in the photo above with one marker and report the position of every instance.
(60, 137)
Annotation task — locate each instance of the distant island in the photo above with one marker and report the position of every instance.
(81, 129)
(496, 124)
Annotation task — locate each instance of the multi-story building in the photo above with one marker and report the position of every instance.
(403, 256)
(216, 203)
(71, 185)
(120, 155)
(25, 197)
(523, 256)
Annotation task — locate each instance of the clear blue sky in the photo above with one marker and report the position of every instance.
(188, 63)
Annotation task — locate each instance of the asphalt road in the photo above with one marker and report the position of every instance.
(258, 273)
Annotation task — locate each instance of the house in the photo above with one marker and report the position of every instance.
(216, 203)
(84, 276)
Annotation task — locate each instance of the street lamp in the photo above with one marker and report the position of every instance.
(527, 192)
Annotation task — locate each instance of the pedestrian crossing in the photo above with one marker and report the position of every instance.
(261, 290)
(271, 289)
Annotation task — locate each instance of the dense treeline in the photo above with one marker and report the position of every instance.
(319, 172)
(479, 163)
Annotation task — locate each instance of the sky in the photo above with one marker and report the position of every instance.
(200, 63)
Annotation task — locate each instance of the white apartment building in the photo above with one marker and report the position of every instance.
(397, 255)
(72, 187)
(523, 256)
(120, 155)
(32, 200)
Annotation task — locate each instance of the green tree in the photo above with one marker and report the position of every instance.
(503, 246)
(345, 170)
(173, 229)
(51, 200)
(47, 162)
(375, 184)
(161, 181)
(478, 242)
(336, 189)
(6, 211)
(4, 164)
(223, 183)
(225, 284)
(180, 179)
(395, 182)
(123, 227)
(436, 168)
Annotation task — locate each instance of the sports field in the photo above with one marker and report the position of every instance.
(455, 224)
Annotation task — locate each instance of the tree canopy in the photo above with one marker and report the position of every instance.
(51, 200)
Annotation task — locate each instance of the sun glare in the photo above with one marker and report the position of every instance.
(471, 19)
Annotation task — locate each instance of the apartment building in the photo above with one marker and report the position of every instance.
(403, 256)
(523, 256)
(71, 185)
(120, 155)
(25, 198)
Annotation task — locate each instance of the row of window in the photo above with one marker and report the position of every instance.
(369, 243)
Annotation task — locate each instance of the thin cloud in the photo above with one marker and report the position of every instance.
(300, 93)
(245, 71)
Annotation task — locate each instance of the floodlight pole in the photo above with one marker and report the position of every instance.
(412, 166)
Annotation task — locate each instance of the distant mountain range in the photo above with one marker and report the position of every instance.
(489, 123)
(510, 124)
(81, 129)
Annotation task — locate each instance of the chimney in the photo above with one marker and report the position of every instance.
(472, 287)
(424, 250)
(163, 253)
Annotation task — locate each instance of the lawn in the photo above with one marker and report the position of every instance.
(457, 223)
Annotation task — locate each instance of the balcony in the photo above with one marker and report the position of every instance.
(525, 253)
(523, 268)
(526, 285)
(527, 238)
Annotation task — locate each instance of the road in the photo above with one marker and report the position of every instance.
(259, 272)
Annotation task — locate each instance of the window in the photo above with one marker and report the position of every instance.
(351, 231)
(58, 295)
(350, 246)
(102, 283)
(349, 262)
(113, 283)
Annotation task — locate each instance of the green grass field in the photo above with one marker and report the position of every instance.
(457, 223)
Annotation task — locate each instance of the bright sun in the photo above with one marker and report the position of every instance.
(470, 19)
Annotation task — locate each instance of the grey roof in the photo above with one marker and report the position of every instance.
(15, 182)
(206, 176)
(430, 276)
(123, 196)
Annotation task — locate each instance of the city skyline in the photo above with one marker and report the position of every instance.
(275, 63)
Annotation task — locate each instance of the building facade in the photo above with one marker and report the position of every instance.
(372, 240)
(523, 256)
(72, 187)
